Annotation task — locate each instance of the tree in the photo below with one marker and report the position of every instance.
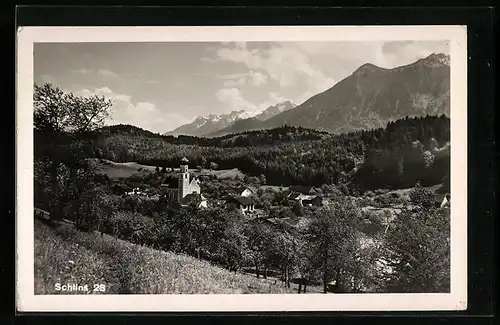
(298, 209)
(82, 198)
(259, 236)
(284, 247)
(253, 180)
(233, 244)
(57, 112)
(262, 179)
(333, 238)
(422, 197)
(62, 121)
(213, 165)
(305, 261)
(417, 247)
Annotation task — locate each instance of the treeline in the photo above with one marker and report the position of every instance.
(407, 151)
(274, 136)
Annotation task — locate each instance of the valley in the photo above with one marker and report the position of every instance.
(336, 194)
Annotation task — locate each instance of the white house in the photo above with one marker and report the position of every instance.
(246, 192)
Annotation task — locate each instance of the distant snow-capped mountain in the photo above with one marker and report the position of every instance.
(255, 122)
(208, 124)
(211, 124)
(275, 110)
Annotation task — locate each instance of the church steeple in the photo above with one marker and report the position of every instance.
(183, 179)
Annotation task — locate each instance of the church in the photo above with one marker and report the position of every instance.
(184, 187)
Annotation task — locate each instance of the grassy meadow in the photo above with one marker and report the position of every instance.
(115, 170)
(64, 255)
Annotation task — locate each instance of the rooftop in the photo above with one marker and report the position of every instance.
(301, 189)
(242, 200)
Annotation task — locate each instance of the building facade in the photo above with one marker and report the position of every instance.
(185, 185)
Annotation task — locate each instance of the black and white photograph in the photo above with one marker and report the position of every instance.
(271, 167)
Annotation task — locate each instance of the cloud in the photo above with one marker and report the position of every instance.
(142, 114)
(285, 64)
(82, 71)
(235, 82)
(234, 100)
(404, 52)
(303, 97)
(340, 59)
(47, 78)
(107, 73)
(277, 98)
(252, 78)
(257, 78)
(100, 72)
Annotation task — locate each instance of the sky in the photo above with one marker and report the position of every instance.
(160, 86)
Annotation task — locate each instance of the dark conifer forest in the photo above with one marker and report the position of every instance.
(407, 151)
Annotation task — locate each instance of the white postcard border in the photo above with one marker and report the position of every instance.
(27, 301)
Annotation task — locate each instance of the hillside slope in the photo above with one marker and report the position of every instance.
(368, 99)
(64, 255)
(373, 96)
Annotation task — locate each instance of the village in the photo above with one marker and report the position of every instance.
(183, 185)
(256, 201)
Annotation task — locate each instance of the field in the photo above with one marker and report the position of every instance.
(116, 170)
(227, 173)
(121, 170)
(66, 256)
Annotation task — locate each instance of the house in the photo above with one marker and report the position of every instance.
(230, 192)
(305, 199)
(306, 190)
(178, 189)
(443, 200)
(305, 195)
(185, 201)
(245, 191)
(314, 201)
(239, 191)
(242, 203)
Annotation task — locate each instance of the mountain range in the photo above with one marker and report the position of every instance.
(213, 124)
(368, 98)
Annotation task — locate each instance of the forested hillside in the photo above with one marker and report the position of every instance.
(406, 151)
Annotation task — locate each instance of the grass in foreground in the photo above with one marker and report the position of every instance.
(66, 256)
